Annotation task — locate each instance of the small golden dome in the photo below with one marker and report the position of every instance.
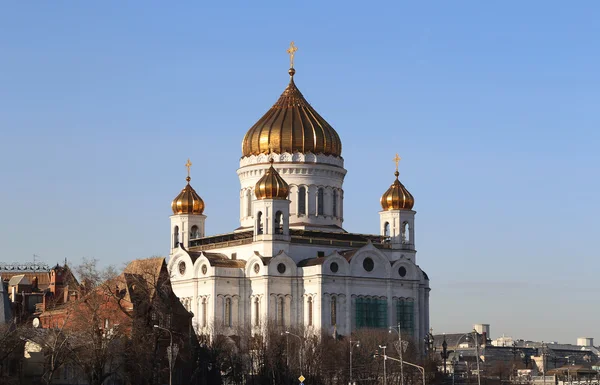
(291, 125)
(271, 185)
(188, 201)
(397, 197)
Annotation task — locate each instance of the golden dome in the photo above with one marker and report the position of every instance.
(291, 125)
(271, 185)
(397, 197)
(188, 201)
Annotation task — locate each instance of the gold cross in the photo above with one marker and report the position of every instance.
(397, 160)
(292, 51)
(189, 166)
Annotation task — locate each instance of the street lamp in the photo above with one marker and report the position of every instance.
(421, 369)
(384, 360)
(170, 355)
(445, 353)
(288, 333)
(353, 344)
(475, 337)
(400, 349)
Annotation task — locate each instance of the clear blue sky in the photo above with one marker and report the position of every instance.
(494, 109)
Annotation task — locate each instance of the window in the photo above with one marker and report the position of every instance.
(371, 313)
(335, 199)
(176, 236)
(256, 312)
(310, 311)
(333, 310)
(204, 311)
(405, 313)
(368, 264)
(405, 232)
(279, 222)
(248, 203)
(386, 229)
(281, 311)
(259, 223)
(302, 201)
(320, 198)
(227, 312)
(194, 232)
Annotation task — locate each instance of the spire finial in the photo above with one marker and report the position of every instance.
(292, 51)
(188, 165)
(397, 161)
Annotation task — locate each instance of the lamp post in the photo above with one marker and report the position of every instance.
(384, 360)
(421, 369)
(445, 353)
(400, 350)
(544, 361)
(288, 333)
(353, 344)
(475, 337)
(170, 356)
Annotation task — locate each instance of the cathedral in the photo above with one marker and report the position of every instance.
(291, 262)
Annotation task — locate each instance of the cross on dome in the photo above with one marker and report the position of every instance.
(397, 159)
(188, 165)
(292, 51)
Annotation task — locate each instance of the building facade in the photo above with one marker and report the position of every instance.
(291, 262)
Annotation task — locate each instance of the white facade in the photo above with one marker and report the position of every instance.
(303, 268)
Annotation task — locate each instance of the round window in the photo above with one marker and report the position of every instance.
(204, 269)
(402, 271)
(256, 268)
(182, 268)
(368, 264)
(334, 267)
(281, 268)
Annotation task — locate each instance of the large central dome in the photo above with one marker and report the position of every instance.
(291, 125)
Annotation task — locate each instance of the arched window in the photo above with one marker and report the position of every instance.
(279, 222)
(320, 197)
(248, 203)
(335, 199)
(302, 200)
(310, 311)
(259, 223)
(256, 312)
(333, 310)
(227, 312)
(405, 232)
(386, 229)
(176, 236)
(281, 311)
(204, 311)
(194, 232)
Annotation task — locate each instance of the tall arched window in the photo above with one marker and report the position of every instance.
(227, 312)
(281, 311)
(320, 197)
(194, 232)
(333, 310)
(405, 232)
(176, 236)
(386, 229)
(335, 199)
(204, 311)
(302, 200)
(259, 223)
(256, 312)
(279, 222)
(248, 203)
(310, 311)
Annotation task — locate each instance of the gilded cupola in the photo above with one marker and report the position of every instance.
(271, 185)
(291, 125)
(188, 201)
(397, 196)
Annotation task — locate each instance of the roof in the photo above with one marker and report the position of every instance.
(221, 260)
(20, 279)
